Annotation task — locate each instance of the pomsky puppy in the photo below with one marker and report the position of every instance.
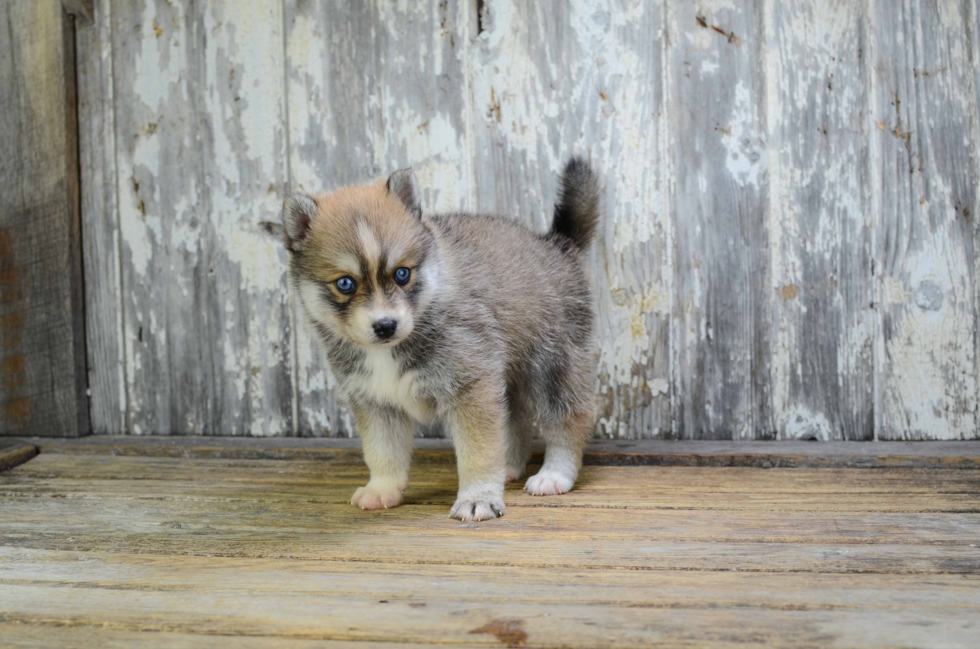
(473, 320)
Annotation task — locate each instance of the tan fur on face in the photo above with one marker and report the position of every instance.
(337, 226)
(355, 230)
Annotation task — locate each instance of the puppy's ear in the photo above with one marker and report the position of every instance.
(298, 211)
(403, 186)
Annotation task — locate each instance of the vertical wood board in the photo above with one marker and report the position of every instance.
(201, 161)
(926, 171)
(42, 336)
(820, 221)
(720, 331)
(100, 240)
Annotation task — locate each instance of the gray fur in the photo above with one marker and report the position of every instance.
(577, 209)
(501, 330)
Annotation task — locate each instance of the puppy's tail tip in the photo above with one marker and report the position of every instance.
(577, 209)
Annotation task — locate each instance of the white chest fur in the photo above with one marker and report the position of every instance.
(382, 381)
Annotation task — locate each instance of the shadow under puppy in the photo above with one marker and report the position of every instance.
(473, 320)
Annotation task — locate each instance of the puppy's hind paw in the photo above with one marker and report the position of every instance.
(378, 495)
(548, 483)
(478, 508)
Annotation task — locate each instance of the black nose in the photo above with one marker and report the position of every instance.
(385, 329)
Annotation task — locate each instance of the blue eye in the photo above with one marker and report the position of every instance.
(345, 285)
(402, 275)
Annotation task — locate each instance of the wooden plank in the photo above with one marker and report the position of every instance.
(373, 87)
(445, 604)
(306, 479)
(41, 311)
(429, 489)
(47, 633)
(667, 589)
(721, 334)
(310, 474)
(820, 220)
(553, 80)
(950, 455)
(455, 623)
(248, 549)
(14, 452)
(214, 498)
(200, 136)
(926, 166)
(591, 553)
(100, 220)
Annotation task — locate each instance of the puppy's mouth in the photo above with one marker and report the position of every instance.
(378, 342)
(388, 342)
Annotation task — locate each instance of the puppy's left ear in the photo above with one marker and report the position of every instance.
(298, 211)
(403, 186)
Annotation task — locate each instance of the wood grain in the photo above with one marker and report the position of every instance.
(200, 136)
(14, 452)
(788, 247)
(820, 220)
(100, 245)
(721, 335)
(258, 550)
(925, 111)
(625, 453)
(42, 333)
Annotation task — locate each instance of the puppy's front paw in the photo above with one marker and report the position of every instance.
(548, 483)
(378, 494)
(478, 507)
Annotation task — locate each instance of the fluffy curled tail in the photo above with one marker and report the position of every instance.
(577, 209)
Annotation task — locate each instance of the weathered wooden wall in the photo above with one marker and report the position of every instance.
(790, 189)
(42, 332)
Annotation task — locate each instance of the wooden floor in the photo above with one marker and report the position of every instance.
(103, 550)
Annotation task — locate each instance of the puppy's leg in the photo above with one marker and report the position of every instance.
(564, 443)
(519, 430)
(386, 435)
(476, 425)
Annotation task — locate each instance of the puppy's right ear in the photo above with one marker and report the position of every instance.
(298, 211)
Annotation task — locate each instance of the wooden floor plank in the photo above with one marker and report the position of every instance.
(44, 633)
(99, 549)
(640, 480)
(447, 621)
(14, 452)
(757, 454)
(946, 498)
(406, 584)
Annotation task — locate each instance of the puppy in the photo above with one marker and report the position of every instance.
(472, 320)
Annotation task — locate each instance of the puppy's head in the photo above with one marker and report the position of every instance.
(363, 262)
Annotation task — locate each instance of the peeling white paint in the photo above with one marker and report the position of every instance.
(747, 153)
(510, 106)
(801, 424)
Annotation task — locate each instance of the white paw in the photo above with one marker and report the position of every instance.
(478, 508)
(548, 483)
(514, 473)
(379, 494)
